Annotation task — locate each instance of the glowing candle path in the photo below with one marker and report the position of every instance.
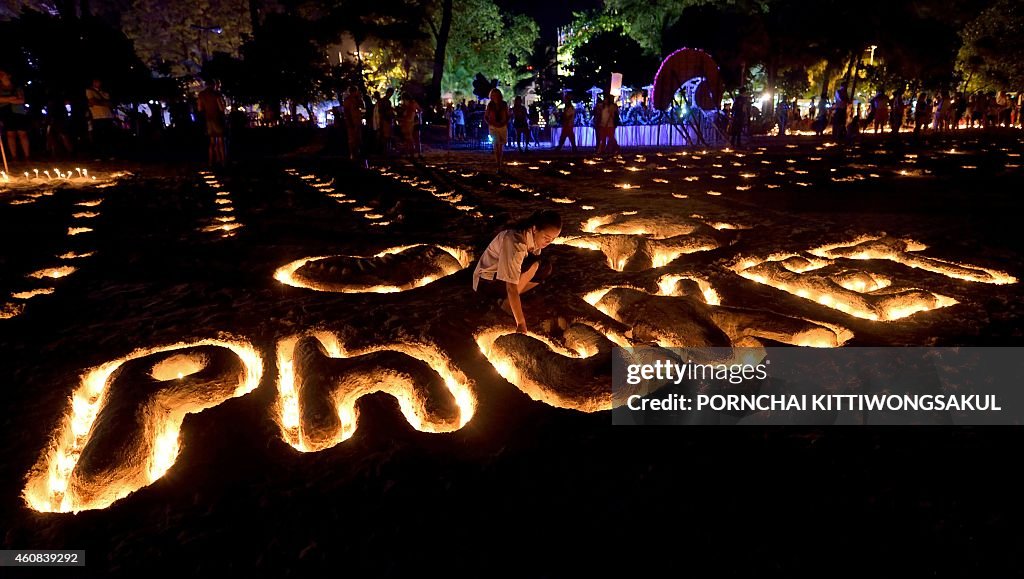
(225, 226)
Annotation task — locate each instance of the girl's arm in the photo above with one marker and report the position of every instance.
(516, 305)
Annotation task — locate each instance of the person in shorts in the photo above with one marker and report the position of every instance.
(211, 104)
(14, 116)
(497, 117)
(512, 264)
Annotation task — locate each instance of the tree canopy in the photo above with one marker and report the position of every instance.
(992, 47)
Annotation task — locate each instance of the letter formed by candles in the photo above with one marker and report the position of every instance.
(320, 382)
(122, 431)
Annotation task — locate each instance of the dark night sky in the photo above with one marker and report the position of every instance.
(549, 14)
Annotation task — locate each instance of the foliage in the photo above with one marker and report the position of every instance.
(992, 46)
(649, 21)
(284, 62)
(175, 38)
(605, 53)
(586, 25)
(483, 40)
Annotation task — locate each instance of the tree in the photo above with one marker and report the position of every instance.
(482, 40)
(604, 53)
(284, 62)
(392, 28)
(992, 47)
(648, 20)
(177, 37)
(441, 34)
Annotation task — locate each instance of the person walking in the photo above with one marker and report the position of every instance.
(568, 124)
(521, 123)
(497, 117)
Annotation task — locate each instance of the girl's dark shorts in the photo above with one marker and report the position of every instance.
(489, 289)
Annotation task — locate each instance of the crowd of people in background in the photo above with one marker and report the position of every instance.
(95, 122)
(935, 111)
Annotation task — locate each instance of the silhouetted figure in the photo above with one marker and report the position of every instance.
(14, 116)
(353, 110)
(568, 124)
(214, 110)
(102, 118)
(839, 112)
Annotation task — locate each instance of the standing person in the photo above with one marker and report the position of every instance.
(449, 116)
(211, 104)
(521, 123)
(811, 110)
(738, 120)
(922, 113)
(408, 121)
(821, 120)
(512, 265)
(14, 116)
(460, 122)
(568, 124)
(497, 116)
(354, 109)
(599, 125)
(608, 120)
(58, 128)
(534, 125)
(385, 115)
(939, 106)
(782, 114)
(880, 108)
(1003, 108)
(898, 111)
(842, 102)
(369, 128)
(102, 117)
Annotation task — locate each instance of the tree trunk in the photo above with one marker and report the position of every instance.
(359, 68)
(771, 73)
(849, 68)
(825, 82)
(853, 80)
(254, 16)
(442, 44)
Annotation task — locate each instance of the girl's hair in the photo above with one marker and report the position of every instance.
(494, 91)
(540, 219)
